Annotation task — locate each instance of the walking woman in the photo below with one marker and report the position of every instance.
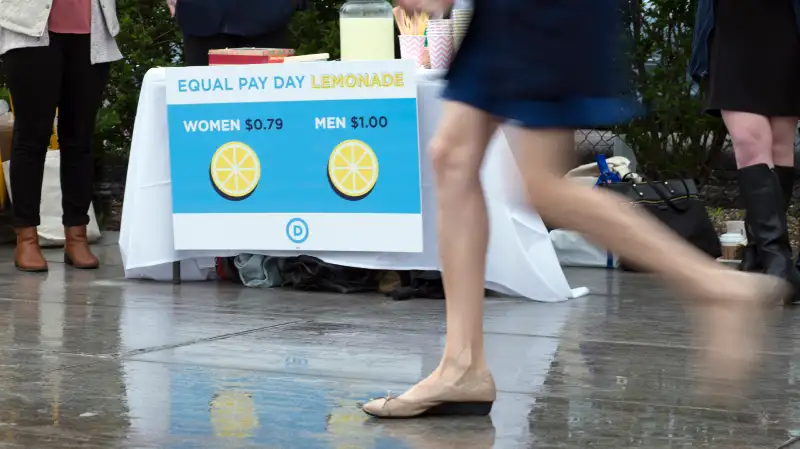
(55, 54)
(517, 68)
(747, 56)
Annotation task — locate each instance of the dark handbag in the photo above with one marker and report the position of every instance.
(678, 205)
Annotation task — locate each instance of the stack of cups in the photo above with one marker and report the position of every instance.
(440, 43)
(412, 47)
(461, 20)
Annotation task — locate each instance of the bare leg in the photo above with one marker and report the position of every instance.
(457, 154)
(729, 299)
(751, 135)
(783, 131)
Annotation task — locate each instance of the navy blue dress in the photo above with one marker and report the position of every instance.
(545, 63)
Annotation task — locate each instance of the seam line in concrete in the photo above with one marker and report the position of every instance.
(152, 349)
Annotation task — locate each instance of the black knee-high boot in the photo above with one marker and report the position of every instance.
(766, 220)
(750, 260)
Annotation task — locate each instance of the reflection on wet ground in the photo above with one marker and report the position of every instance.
(88, 360)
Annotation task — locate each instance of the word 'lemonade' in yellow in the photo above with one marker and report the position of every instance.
(353, 80)
(353, 169)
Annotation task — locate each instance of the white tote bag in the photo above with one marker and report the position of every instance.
(573, 250)
(51, 229)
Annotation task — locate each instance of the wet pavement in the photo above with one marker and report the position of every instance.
(89, 360)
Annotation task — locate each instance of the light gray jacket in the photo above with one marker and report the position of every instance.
(23, 23)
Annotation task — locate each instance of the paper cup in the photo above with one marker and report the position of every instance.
(412, 47)
(457, 41)
(732, 245)
(440, 27)
(441, 51)
(462, 20)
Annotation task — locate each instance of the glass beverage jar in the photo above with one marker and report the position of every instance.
(367, 30)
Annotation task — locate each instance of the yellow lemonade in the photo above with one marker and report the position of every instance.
(367, 39)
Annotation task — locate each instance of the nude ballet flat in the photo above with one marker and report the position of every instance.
(477, 400)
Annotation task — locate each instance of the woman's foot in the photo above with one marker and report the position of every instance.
(730, 310)
(28, 255)
(76, 249)
(445, 392)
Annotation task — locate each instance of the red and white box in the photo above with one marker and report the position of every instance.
(246, 56)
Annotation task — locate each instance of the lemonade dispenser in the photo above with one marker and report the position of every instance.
(367, 30)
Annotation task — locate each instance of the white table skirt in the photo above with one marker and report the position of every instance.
(521, 259)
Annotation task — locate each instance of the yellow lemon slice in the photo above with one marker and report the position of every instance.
(235, 171)
(353, 169)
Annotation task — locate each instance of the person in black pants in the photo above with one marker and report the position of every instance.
(217, 24)
(62, 63)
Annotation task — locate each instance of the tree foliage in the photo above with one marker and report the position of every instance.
(674, 137)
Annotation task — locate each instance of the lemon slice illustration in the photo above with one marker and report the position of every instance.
(235, 171)
(353, 170)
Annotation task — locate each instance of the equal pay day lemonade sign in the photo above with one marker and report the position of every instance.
(306, 156)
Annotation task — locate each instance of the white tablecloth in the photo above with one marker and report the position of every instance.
(521, 259)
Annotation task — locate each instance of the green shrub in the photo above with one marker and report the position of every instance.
(674, 138)
(148, 38)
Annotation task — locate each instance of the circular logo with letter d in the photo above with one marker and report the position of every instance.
(297, 230)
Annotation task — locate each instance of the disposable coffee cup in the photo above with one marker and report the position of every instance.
(732, 244)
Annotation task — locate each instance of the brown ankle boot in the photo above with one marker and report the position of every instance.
(28, 256)
(76, 249)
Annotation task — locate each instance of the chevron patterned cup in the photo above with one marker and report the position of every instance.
(441, 51)
(412, 47)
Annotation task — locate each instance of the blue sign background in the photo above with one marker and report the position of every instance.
(294, 159)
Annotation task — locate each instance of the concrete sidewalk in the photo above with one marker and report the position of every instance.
(89, 360)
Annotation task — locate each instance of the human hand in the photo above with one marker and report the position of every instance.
(436, 6)
(171, 5)
(408, 5)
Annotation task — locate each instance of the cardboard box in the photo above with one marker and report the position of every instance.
(245, 56)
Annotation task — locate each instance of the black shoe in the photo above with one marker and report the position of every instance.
(750, 260)
(787, 177)
(750, 263)
(763, 198)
